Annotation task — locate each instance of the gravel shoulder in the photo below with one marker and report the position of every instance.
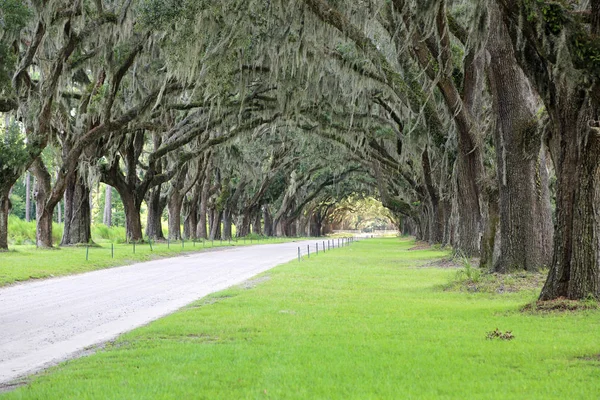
(45, 322)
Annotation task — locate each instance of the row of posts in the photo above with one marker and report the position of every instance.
(326, 246)
(112, 246)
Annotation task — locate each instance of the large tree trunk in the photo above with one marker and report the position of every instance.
(174, 208)
(44, 211)
(575, 267)
(156, 205)
(133, 222)
(524, 204)
(107, 217)
(77, 212)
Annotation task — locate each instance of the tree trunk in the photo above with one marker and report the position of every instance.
(133, 222)
(268, 218)
(174, 209)
(4, 211)
(256, 225)
(107, 217)
(574, 272)
(244, 225)
(77, 213)
(156, 206)
(191, 214)
(43, 213)
(201, 232)
(215, 225)
(227, 224)
(58, 213)
(28, 196)
(524, 204)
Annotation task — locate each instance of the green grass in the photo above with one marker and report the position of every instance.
(360, 322)
(25, 262)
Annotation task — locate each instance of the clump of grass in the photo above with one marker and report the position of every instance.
(114, 234)
(23, 232)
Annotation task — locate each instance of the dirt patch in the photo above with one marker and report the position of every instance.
(7, 387)
(449, 262)
(252, 283)
(595, 358)
(475, 281)
(560, 305)
(421, 246)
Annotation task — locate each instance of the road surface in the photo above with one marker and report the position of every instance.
(45, 322)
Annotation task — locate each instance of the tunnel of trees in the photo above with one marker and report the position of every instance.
(475, 123)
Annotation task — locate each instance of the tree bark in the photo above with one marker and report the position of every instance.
(215, 225)
(256, 224)
(78, 216)
(524, 204)
(244, 225)
(174, 209)
(268, 218)
(227, 224)
(574, 272)
(201, 232)
(107, 217)
(133, 222)
(44, 211)
(156, 204)
(4, 211)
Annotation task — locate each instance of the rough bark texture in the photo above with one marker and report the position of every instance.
(156, 204)
(133, 222)
(524, 204)
(44, 210)
(569, 91)
(78, 216)
(574, 272)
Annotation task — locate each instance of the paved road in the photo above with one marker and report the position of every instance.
(45, 322)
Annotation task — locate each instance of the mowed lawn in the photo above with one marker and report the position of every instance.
(360, 322)
(25, 262)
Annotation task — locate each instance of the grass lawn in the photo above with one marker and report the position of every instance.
(361, 322)
(25, 262)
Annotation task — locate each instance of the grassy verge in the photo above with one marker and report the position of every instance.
(25, 262)
(361, 322)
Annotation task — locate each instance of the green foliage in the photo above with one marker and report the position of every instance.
(13, 152)
(114, 234)
(22, 232)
